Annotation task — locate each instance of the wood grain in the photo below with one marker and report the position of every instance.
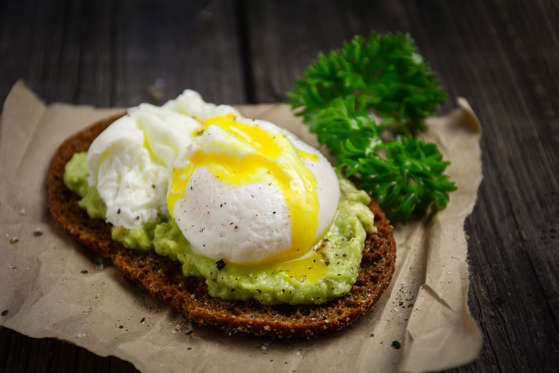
(503, 56)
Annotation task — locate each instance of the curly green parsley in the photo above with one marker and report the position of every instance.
(366, 103)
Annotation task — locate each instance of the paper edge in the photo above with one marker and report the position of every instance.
(473, 124)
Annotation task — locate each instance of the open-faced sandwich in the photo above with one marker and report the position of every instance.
(234, 222)
(237, 223)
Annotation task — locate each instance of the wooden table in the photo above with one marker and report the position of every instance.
(502, 56)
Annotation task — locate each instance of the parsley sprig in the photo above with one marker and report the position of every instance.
(366, 103)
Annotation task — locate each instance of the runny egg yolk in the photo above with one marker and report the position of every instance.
(277, 162)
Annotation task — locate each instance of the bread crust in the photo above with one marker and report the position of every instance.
(163, 278)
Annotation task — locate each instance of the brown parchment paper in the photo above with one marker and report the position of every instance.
(44, 287)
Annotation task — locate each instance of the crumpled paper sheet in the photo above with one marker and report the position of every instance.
(47, 293)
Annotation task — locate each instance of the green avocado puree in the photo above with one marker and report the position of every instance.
(338, 254)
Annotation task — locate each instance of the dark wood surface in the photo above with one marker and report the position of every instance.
(503, 56)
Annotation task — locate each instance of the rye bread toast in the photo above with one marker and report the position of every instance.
(163, 278)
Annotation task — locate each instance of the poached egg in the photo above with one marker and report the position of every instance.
(240, 190)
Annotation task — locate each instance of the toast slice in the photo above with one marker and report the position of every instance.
(163, 278)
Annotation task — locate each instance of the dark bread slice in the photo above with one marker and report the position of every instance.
(188, 295)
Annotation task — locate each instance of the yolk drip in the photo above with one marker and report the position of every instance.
(310, 267)
(275, 162)
(311, 156)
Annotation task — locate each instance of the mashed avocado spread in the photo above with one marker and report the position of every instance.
(326, 272)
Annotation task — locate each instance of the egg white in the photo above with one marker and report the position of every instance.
(248, 223)
(131, 179)
(131, 164)
(240, 224)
